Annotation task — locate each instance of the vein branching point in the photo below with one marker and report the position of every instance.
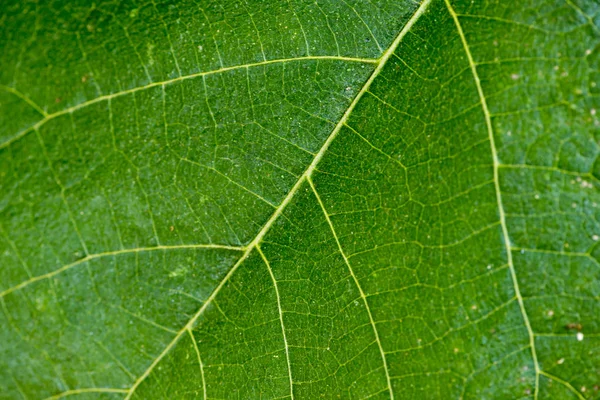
(307, 173)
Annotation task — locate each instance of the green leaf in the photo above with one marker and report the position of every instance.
(299, 199)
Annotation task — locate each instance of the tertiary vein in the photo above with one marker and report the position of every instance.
(381, 62)
(85, 390)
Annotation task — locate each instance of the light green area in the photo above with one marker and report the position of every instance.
(300, 199)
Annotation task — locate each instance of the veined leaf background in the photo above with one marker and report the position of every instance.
(299, 199)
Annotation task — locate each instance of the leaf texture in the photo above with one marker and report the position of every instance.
(299, 199)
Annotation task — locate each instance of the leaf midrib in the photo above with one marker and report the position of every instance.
(381, 62)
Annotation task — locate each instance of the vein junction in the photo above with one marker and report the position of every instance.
(48, 117)
(110, 254)
(305, 176)
(374, 292)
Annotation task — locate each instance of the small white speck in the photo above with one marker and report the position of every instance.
(489, 266)
(509, 133)
(595, 238)
(200, 48)
(593, 111)
(574, 205)
(473, 307)
(583, 388)
(550, 313)
(514, 77)
(588, 52)
(579, 336)
(537, 196)
(562, 360)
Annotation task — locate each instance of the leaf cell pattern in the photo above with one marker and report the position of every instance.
(299, 199)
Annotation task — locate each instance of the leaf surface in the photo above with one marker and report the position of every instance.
(332, 199)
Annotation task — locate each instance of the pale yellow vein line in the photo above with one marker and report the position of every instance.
(478, 371)
(141, 318)
(506, 238)
(285, 342)
(114, 253)
(85, 390)
(15, 250)
(18, 386)
(229, 179)
(554, 252)
(199, 362)
(564, 383)
(584, 15)
(48, 117)
(25, 99)
(588, 175)
(63, 190)
(189, 325)
(288, 198)
(356, 281)
(168, 35)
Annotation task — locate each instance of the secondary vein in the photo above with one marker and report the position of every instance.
(113, 253)
(279, 210)
(200, 364)
(48, 117)
(356, 281)
(496, 163)
(285, 342)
